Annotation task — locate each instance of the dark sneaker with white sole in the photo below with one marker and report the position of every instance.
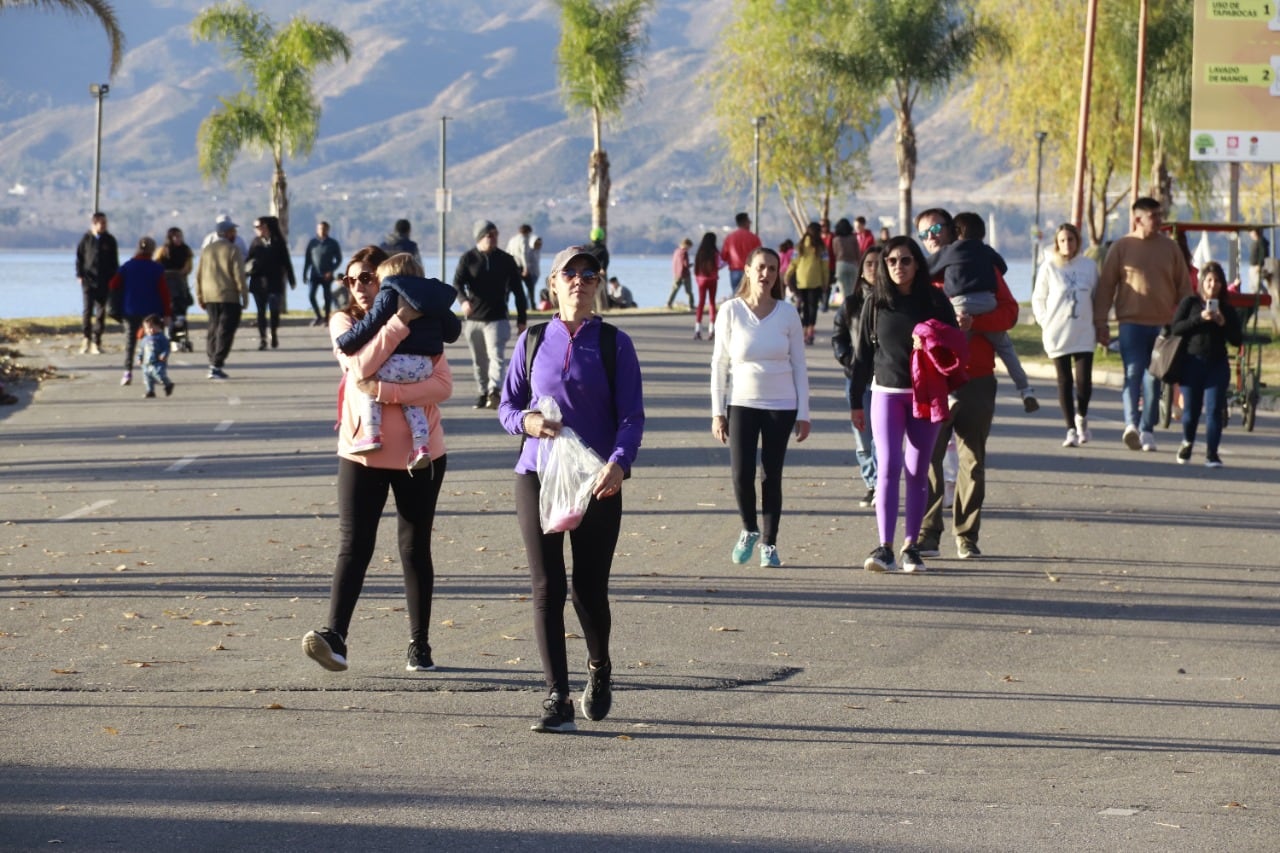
(880, 560)
(557, 715)
(597, 699)
(967, 550)
(418, 659)
(911, 560)
(326, 648)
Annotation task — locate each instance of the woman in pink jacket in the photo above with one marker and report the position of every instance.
(365, 479)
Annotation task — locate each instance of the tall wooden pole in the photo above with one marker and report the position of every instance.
(1082, 129)
(1139, 89)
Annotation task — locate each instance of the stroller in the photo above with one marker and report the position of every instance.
(180, 299)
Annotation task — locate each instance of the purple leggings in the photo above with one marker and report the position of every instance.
(891, 421)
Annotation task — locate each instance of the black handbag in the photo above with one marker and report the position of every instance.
(1166, 356)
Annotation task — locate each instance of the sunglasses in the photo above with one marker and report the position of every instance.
(363, 278)
(933, 230)
(899, 260)
(585, 276)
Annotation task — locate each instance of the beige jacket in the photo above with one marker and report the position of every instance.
(1144, 279)
(220, 275)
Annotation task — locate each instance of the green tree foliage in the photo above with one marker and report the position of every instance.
(814, 138)
(100, 9)
(1036, 86)
(278, 112)
(600, 53)
(901, 49)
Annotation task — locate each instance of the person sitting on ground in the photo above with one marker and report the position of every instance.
(402, 275)
(968, 271)
(154, 355)
(619, 296)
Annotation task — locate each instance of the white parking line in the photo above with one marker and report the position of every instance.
(85, 510)
(223, 426)
(180, 464)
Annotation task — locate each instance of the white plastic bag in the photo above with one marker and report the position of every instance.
(567, 469)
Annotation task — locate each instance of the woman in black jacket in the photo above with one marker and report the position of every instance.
(267, 267)
(846, 325)
(903, 297)
(1208, 323)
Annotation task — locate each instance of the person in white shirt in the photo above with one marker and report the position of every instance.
(224, 219)
(759, 397)
(1062, 301)
(526, 248)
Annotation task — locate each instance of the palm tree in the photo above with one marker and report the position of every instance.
(280, 114)
(100, 9)
(903, 48)
(601, 42)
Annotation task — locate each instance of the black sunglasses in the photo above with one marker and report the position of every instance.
(363, 278)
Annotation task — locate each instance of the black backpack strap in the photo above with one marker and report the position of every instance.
(532, 340)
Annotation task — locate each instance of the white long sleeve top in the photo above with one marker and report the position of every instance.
(1062, 302)
(759, 363)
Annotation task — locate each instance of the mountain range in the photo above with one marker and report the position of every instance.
(513, 153)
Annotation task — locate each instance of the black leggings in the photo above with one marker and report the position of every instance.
(770, 431)
(1067, 401)
(809, 298)
(362, 494)
(592, 545)
(268, 304)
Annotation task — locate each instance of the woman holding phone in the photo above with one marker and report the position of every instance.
(1209, 323)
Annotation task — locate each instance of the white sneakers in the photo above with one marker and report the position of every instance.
(1072, 439)
(1083, 434)
(1148, 439)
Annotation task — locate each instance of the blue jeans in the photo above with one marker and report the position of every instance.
(735, 278)
(1136, 342)
(863, 443)
(1204, 387)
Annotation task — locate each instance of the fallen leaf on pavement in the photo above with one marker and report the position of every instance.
(274, 706)
(726, 629)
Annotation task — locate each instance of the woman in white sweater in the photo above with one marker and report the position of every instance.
(759, 396)
(1062, 301)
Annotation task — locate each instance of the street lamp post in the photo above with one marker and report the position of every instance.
(1035, 255)
(99, 91)
(756, 123)
(443, 202)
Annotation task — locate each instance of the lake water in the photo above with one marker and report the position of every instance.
(43, 284)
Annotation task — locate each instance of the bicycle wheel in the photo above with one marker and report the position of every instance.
(1166, 404)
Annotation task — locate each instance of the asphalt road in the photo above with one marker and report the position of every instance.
(1105, 678)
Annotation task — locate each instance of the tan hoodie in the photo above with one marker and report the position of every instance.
(1144, 278)
(220, 274)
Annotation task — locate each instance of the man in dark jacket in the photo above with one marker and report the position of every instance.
(486, 276)
(97, 259)
(398, 241)
(322, 259)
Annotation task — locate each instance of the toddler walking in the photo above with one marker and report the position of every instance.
(153, 356)
(968, 269)
(402, 276)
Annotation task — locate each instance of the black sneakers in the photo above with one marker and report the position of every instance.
(869, 499)
(557, 715)
(1184, 453)
(482, 402)
(419, 659)
(597, 699)
(881, 560)
(326, 648)
(911, 561)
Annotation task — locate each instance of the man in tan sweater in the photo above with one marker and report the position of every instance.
(222, 293)
(1145, 277)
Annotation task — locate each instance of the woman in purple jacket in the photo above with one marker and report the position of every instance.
(569, 366)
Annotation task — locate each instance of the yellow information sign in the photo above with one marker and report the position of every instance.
(1235, 85)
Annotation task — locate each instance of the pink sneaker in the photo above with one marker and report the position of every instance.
(419, 458)
(367, 444)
